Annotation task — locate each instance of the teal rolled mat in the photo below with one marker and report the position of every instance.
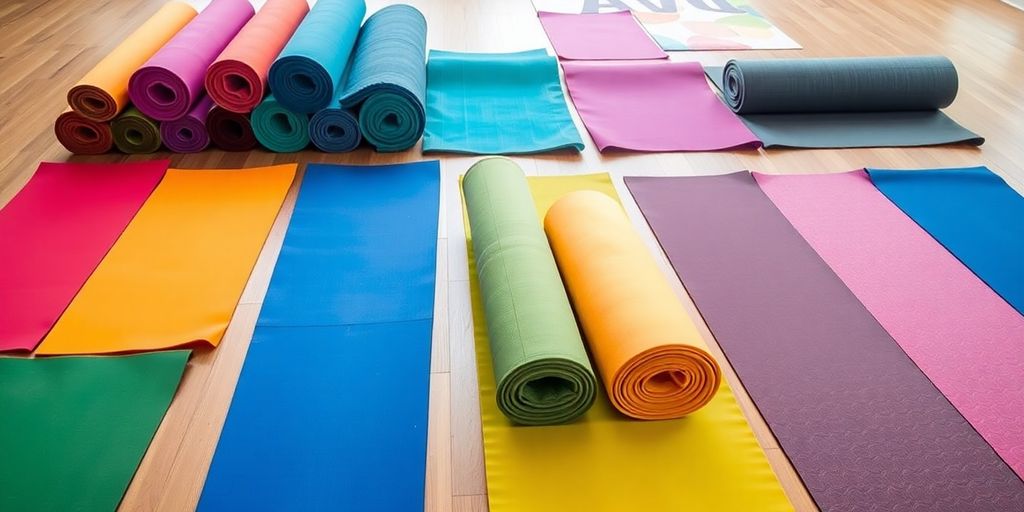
(544, 376)
(278, 129)
(135, 133)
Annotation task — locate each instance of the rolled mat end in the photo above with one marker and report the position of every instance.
(334, 130)
(230, 131)
(279, 129)
(81, 135)
(134, 133)
(93, 102)
(234, 86)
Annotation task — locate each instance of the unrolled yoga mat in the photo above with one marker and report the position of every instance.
(541, 368)
(134, 133)
(862, 425)
(846, 102)
(961, 334)
(330, 412)
(103, 92)
(652, 359)
(175, 275)
(306, 74)
(709, 460)
(81, 135)
(973, 213)
(653, 106)
(188, 134)
(237, 80)
(169, 84)
(74, 429)
(335, 129)
(230, 131)
(55, 231)
(607, 36)
(496, 103)
(279, 129)
(387, 80)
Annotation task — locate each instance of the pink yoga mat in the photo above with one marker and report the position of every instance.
(188, 134)
(653, 106)
(608, 36)
(963, 336)
(170, 82)
(55, 232)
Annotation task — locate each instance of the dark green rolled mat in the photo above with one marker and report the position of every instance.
(230, 131)
(544, 376)
(279, 129)
(135, 133)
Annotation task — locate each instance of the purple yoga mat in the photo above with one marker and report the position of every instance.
(188, 134)
(604, 36)
(864, 428)
(170, 82)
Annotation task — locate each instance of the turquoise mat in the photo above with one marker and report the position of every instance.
(279, 129)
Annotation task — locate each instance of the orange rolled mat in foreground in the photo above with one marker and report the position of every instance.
(177, 272)
(649, 353)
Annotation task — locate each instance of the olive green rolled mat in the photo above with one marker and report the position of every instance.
(544, 376)
(135, 133)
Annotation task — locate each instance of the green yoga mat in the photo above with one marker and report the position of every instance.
(540, 365)
(74, 429)
(278, 129)
(135, 133)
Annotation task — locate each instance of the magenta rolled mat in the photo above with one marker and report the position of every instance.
(171, 82)
(188, 134)
(862, 425)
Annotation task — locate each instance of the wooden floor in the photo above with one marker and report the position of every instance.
(46, 45)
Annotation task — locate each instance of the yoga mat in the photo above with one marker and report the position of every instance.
(955, 328)
(175, 275)
(388, 78)
(279, 129)
(307, 73)
(541, 368)
(229, 130)
(170, 83)
(653, 361)
(864, 428)
(330, 411)
(103, 92)
(237, 80)
(81, 135)
(335, 129)
(973, 213)
(188, 134)
(134, 133)
(496, 103)
(605, 461)
(846, 102)
(74, 429)
(55, 231)
(653, 106)
(608, 36)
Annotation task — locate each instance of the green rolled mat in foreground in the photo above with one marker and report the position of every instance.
(279, 129)
(81, 135)
(544, 376)
(134, 133)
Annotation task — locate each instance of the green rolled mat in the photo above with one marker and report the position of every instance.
(135, 133)
(279, 129)
(544, 376)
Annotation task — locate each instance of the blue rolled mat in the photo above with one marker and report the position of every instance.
(335, 129)
(309, 69)
(388, 78)
(278, 129)
(330, 411)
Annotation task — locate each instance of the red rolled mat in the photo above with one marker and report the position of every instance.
(237, 80)
(81, 135)
(230, 131)
(188, 134)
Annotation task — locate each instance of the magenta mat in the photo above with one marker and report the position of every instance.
(608, 36)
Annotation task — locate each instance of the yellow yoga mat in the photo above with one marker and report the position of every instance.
(177, 272)
(707, 461)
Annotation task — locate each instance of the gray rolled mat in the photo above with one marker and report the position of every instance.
(845, 103)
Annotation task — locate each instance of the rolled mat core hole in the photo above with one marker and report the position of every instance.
(86, 134)
(303, 83)
(235, 84)
(133, 136)
(548, 389)
(667, 381)
(185, 133)
(732, 84)
(281, 123)
(391, 121)
(232, 129)
(94, 103)
(162, 94)
(335, 131)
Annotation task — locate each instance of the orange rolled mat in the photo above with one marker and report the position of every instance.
(103, 92)
(649, 353)
(81, 135)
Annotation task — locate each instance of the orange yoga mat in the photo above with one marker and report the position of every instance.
(177, 272)
(103, 91)
(652, 359)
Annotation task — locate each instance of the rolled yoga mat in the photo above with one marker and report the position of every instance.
(652, 359)
(279, 129)
(387, 81)
(134, 133)
(188, 134)
(237, 80)
(103, 92)
(845, 103)
(335, 129)
(81, 135)
(307, 73)
(542, 370)
(169, 84)
(230, 131)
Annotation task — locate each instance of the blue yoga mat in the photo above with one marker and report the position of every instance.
(330, 411)
(973, 213)
(335, 129)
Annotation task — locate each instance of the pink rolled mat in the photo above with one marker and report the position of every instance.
(170, 82)
(188, 134)
(963, 336)
(653, 106)
(55, 232)
(608, 36)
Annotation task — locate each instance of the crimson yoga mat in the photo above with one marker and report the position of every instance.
(81, 135)
(599, 36)
(188, 134)
(229, 130)
(974, 214)
(330, 411)
(962, 335)
(171, 82)
(862, 425)
(653, 106)
(55, 232)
